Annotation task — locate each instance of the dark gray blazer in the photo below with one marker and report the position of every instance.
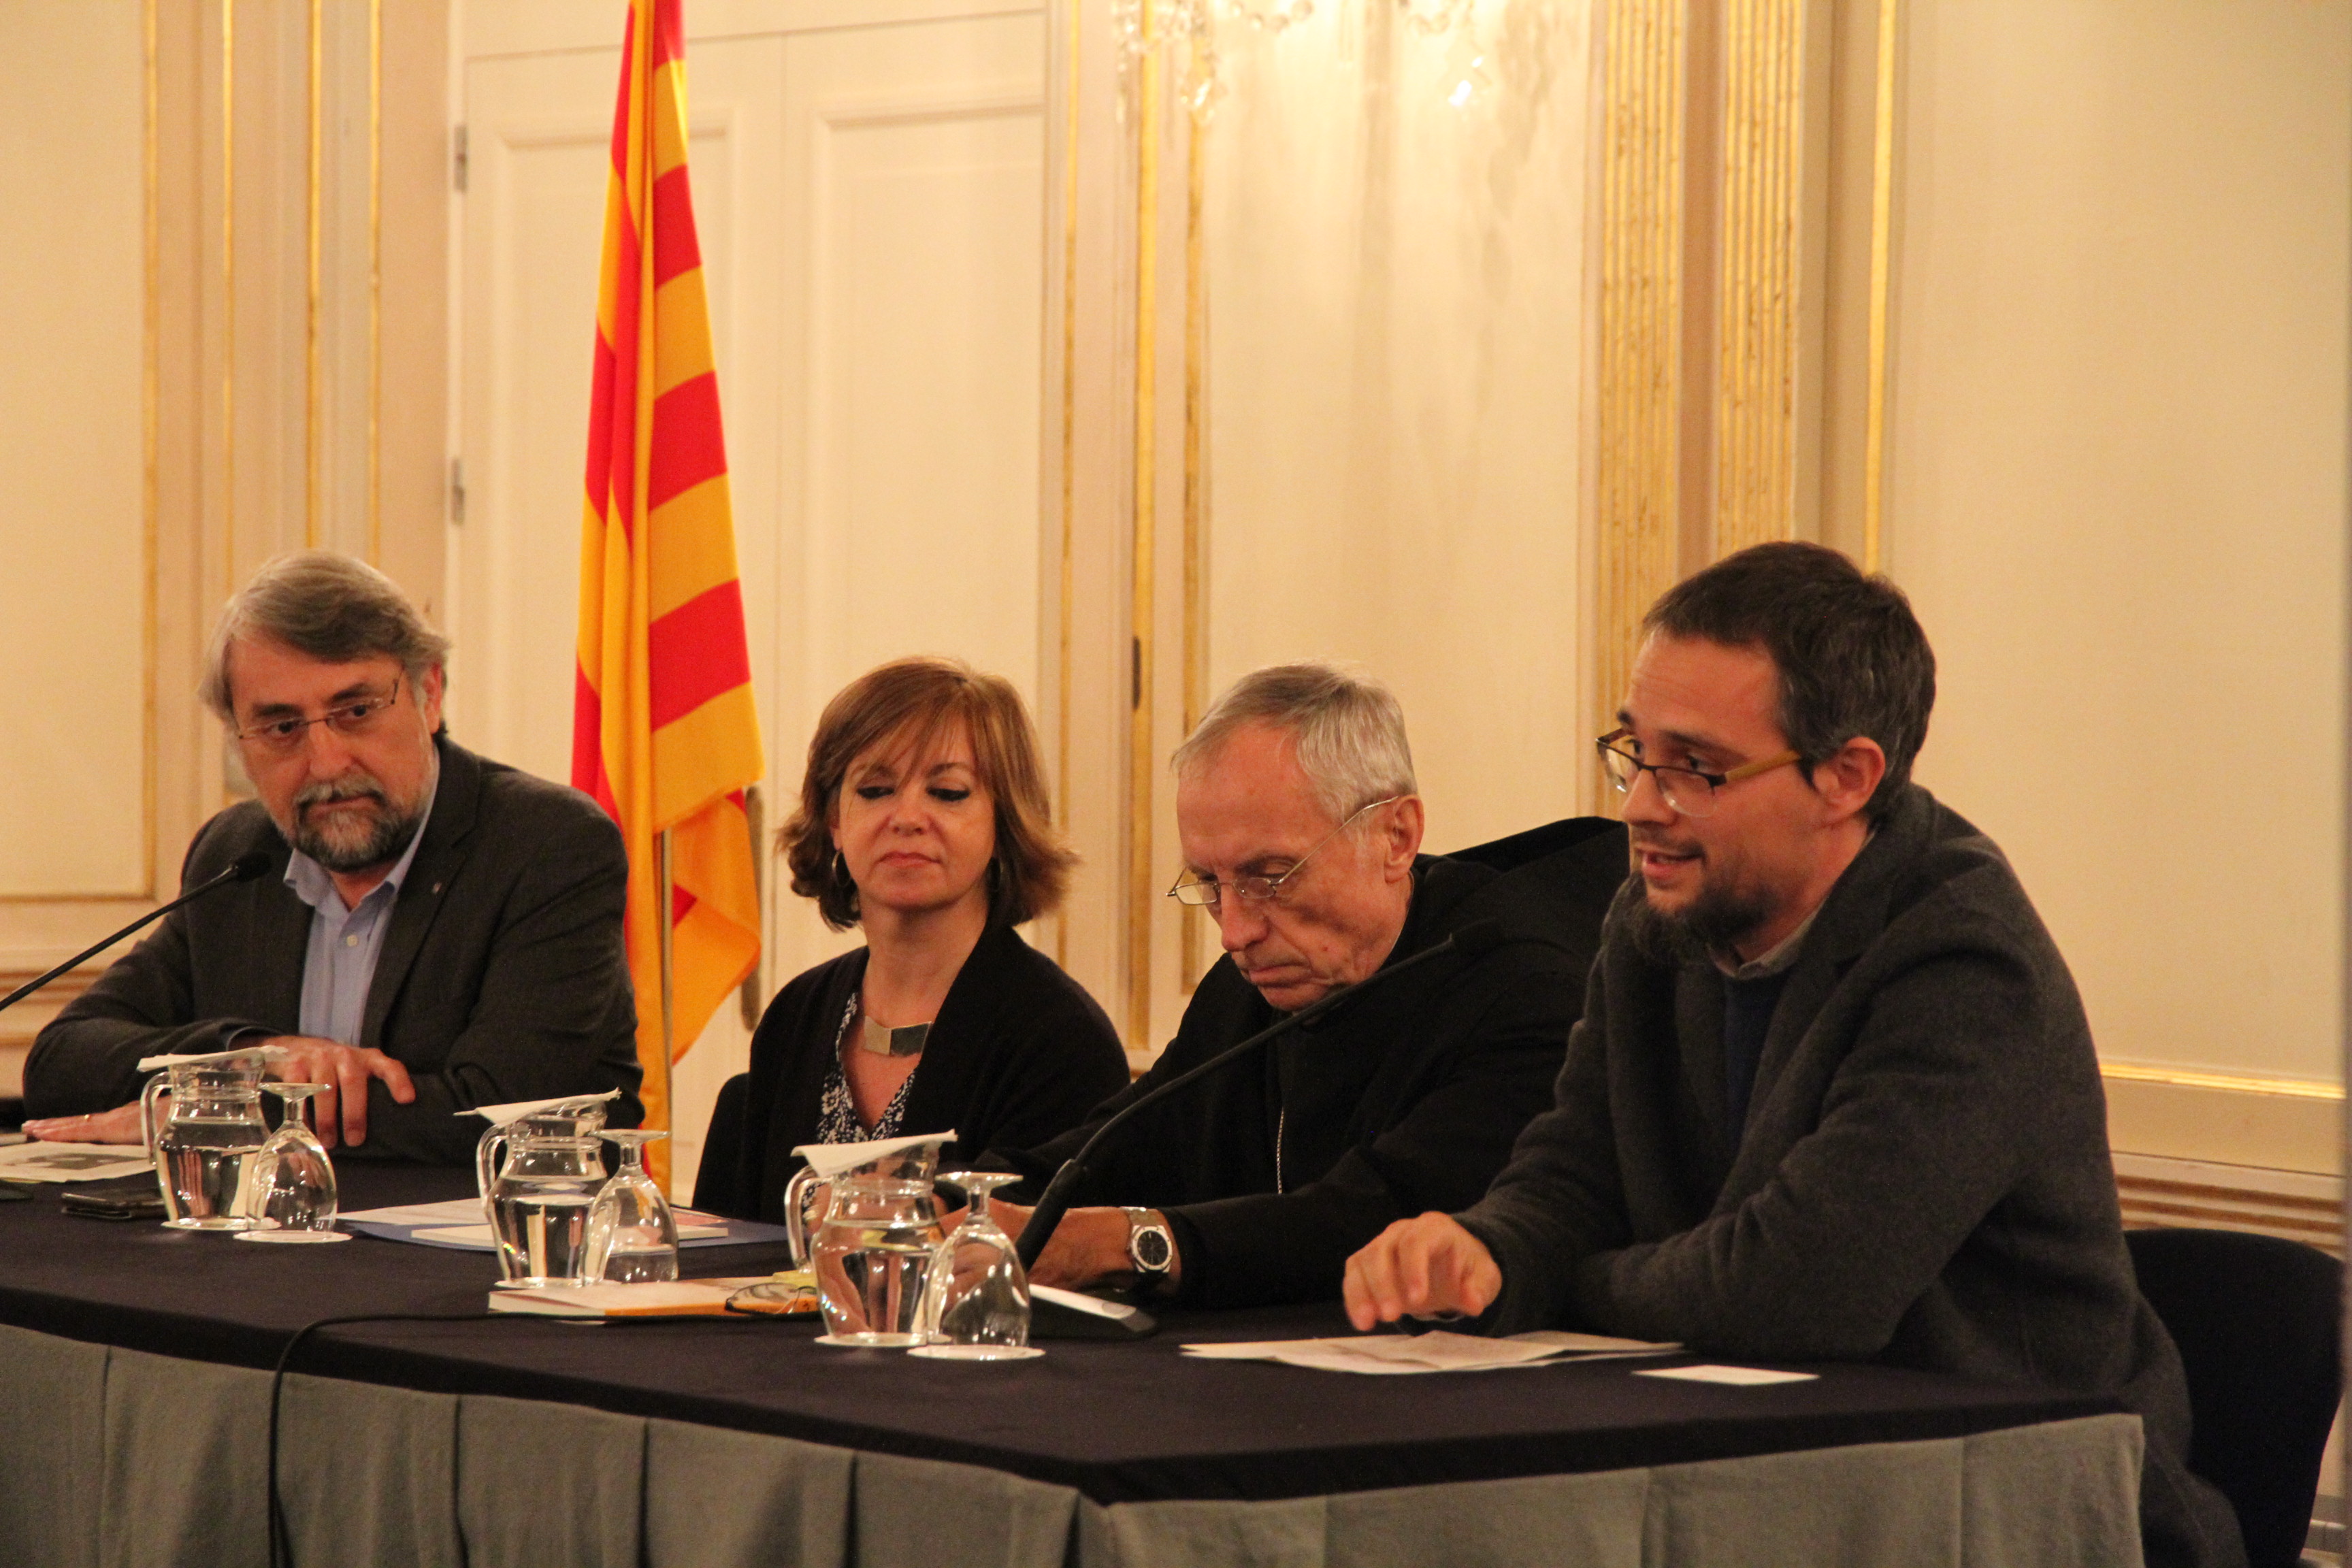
(502, 975)
(1924, 1179)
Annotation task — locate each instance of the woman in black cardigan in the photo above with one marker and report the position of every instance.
(922, 819)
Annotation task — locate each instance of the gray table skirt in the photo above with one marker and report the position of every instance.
(117, 1459)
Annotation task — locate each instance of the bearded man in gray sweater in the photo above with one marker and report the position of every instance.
(1833, 1095)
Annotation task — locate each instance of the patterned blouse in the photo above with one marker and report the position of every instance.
(836, 1121)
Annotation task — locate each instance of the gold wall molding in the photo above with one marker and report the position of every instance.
(151, 412)
(1143, 564)
(228, 296)
(314, 103)
(1760, 334)
(1644, 85)
(1196, 499)
(2299, 1205)
(2227, 1119)
(2227, 1083)
(1882, 267)
(1066, 601)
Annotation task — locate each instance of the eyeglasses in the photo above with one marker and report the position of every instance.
(1205, 893)
(1690, 791)
(283, 737)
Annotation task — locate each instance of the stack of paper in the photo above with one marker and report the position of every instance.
(1392, 1354)
(72, 1161)
(669, 1299)
(458, 1223)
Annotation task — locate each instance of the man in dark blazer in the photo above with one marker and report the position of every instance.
(434, 931)
(1301, 830)
(1833, 1096)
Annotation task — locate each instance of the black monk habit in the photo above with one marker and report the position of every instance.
(1273, 1171)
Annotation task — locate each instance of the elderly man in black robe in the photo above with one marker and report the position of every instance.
(1301, 830)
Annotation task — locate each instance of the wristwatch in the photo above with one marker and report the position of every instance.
(1149, 1247)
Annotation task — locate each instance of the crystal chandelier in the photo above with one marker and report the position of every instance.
(1195, 25)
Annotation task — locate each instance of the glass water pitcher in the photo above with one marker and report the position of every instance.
(539, 1174)
(204, 1145)
(871, 1251)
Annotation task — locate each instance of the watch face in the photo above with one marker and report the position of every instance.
(1151, 1249)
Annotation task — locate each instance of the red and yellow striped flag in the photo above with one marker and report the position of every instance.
(664, 734)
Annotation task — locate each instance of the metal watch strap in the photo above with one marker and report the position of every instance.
(1141, 1223)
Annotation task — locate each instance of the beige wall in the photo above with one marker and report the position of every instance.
(2118, 495)
(73, 551)
(1395, 377)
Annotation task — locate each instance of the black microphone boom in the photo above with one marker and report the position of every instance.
(244, 869)
(1471, 941)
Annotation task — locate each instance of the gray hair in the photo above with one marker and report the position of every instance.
(328, 606)
(1348, 728)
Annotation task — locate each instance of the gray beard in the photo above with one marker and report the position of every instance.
(384, 844)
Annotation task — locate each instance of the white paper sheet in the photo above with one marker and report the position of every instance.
(269, 1053)
(37, 1162)
(1737, 1376)
(502, 1114)
(458, 1223)
(1394, 1354)
(829, 1160)
(1078, 1301)
(669, 1299)
(476, 1237)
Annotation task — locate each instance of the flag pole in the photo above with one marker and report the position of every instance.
(668, 991)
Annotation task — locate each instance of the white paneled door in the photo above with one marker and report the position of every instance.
(869, 200)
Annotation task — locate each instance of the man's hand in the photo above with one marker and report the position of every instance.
(1088, 1247)
(1427, 1267)
(345, 1070)
(119, 1125)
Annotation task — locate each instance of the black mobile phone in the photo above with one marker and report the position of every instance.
(126, 1197)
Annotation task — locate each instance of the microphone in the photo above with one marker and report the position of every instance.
(244, 869)
(1473, 940)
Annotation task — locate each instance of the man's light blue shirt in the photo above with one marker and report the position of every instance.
(345, 941)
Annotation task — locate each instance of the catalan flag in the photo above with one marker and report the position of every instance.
(665, 735)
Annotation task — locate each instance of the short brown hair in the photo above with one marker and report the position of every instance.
(1851, 657)
(913, 700)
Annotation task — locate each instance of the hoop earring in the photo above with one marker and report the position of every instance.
(840, 869)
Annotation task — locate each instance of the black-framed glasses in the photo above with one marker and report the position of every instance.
(1205, 893)
(1690, 791)
(360, 716)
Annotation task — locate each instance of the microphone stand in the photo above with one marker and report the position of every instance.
(244, 869)
(1471, 940)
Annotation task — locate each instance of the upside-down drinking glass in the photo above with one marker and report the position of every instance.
(976, 1303)
(632, 1232)
(289, 1189)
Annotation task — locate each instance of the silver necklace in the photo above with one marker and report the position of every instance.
(907, 1040)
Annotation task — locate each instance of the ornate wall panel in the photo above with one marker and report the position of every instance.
(1758, 330)
(1641, 326)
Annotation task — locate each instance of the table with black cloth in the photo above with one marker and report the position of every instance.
(133, 1367)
